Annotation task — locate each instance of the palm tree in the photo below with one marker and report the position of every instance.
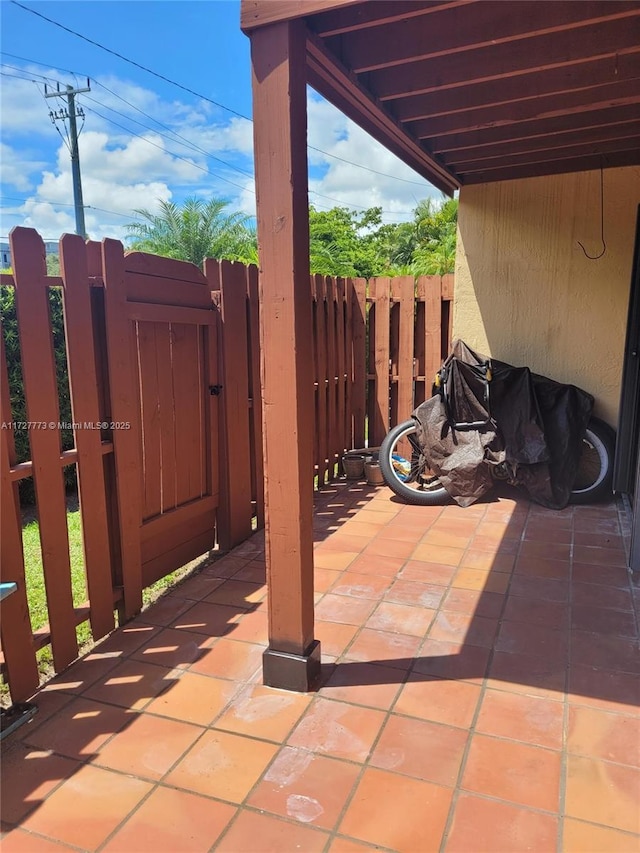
(197, 230)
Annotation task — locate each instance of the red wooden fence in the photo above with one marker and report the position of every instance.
(164, 363)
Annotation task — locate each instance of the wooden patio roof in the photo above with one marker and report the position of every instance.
(472, 91)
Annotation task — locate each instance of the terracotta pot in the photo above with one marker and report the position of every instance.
(353, 466)
(373, 473)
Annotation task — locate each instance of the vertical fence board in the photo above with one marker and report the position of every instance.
(323, 383)
(432, 324)
(255, 390)
(348, 354)
(41, 393)
(168, 442)
(404, 289)
(332, 400)
(380, 425)
(84, 384)
(124, 408)
(234, 516)
(341, 361)
(359, 355)
(15, 626)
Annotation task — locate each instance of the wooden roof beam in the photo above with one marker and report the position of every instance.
(569, 104)
(534, 170)
(460, 157)
(535, 129)
(380, 13)
(490, 23)
(259, 13)
(536, 84)
(504, 60)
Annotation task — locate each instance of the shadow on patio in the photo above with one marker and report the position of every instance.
(480, 693)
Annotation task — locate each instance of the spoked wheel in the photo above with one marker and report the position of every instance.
(405, 471)
(595, 468)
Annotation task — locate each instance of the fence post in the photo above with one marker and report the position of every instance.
(359, 358)
(83, 384)
(235, 510)
(432, 289)
(41, 392)
(380, 422)
(15, 626)
(125, 409)
(255, 390)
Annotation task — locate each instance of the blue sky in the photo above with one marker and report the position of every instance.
(144, 139)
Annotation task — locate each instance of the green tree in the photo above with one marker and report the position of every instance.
(194, 231)
(347, 243)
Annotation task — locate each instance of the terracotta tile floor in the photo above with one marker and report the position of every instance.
(480, 692)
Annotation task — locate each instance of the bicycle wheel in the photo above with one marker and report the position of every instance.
(595, 469)
(404, 470)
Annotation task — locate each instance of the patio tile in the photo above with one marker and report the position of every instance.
(395, 548)
(606, 652)
(213, 620)
(483, 560)
(421, 749)
(172, 820)
(541, 567)
(28, 775)
(476, 579)
(264, 712)
(415, 593)
(487, 825)
(603, 792)
(348, 845)
(481, 542)
(19, 841)
(599, 556)
(605, 574)
(132, 684)
(438, 574)
(607, 736)
(344, 608)
(450, 702)
(552, 614)
(539, 676)
(474, 601)
(80, 728)
(401, 619)
(235, 593)
(84, 672)
(335, 560)
(599, 688)
(230, 659)
(534, 640)
(258, 833)
(194, 698)
(454, 661)
(306, 787)
(402, 532)
(344, 542)
(438, 554)
(361, 586)
(546, 589)
(253, 572)
(148, 747)
(601, 596)
(369, 564)
(599, 620)
(85, 809)
(380, 647)
(243, 759)
(611, 541)
(451, 627)
(367, 684)
(338, 729)
(518, 773)
(252, 628)
(334, 636)
(581, 837)
(436, 537)
(545, 549)
(164, 611)
(172, 648)
(397, 812)
(530, 719)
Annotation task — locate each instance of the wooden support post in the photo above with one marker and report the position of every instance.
(278, 53)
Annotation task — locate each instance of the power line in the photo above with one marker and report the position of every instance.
(67, 204)
(193, 92)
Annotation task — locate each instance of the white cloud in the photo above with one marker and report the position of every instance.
(17, 168)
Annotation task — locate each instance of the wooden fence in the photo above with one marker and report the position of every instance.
(164, 375)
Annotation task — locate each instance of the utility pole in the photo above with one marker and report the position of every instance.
(71, 113)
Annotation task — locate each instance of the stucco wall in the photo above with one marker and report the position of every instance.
(525, 292)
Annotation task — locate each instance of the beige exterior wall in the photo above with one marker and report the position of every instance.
(525, 292)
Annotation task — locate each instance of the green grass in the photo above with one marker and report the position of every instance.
(36, 591)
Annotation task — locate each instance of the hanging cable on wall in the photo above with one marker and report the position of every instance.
(604, 245)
